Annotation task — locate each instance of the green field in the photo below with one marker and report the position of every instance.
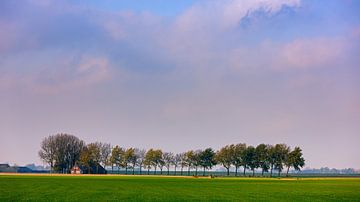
(150, 188)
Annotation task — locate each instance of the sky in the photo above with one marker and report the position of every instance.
(181, 75)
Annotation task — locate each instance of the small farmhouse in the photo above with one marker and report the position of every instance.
(94, 169)
(76, 170)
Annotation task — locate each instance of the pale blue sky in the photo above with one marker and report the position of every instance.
(182, 75)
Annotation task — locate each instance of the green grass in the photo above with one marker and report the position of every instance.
(135, 188)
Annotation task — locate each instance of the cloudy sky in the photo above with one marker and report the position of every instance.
(181, 75)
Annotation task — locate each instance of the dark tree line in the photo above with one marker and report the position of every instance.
(63, 151)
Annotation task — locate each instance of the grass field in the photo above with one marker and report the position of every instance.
(151, 188)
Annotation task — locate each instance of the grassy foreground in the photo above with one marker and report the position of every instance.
(150, 188)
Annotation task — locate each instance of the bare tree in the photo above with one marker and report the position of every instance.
(140, 154)
(105, 151)
(61, 151)
(177, 161)
(183, 162)
(48, 151)
(168, 159)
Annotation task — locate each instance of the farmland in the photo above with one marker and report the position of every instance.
(155, 188)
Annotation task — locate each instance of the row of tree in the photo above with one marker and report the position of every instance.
(63, 151)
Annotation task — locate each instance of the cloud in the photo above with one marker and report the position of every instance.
(311, 53)
(204, 41)
(7, 35)
(59, 74)
(201, 35)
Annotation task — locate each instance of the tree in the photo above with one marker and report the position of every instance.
(105, 151)
(262, 153)
(159, 161)
(295, 160)
(154, 158)
(189, 156)
(238, 156)
(271, 158)
(129, 159)
(133, 160)
(149, 160)
(281, 154)
(207, 159)
(116, 158)
(250, 159)
(86, 160)
(196, 160)
(90, 156)
(177, 161)
(48, 151)
(193, 160)
(225, 157)
(95, 155)
(140, 154)
(61, 151)
(168, 159)
(183, 162)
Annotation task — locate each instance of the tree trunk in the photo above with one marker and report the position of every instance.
(189, 171)
(168, 172)
(287, 172)
(271, 169)
(140, 168)
(134, 170)
(118, 170)
(148, 171)
(236, 168)
(228, 171)
(244, 170)
(279, 173)
(161, 171)
(126, 169)
(204, 172)
(196, 168)
(175, 171)
(155, 171)
(181, 171)
(262, 172)
(112, 168)
(253, 172)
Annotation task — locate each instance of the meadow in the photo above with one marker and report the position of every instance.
(156, 188)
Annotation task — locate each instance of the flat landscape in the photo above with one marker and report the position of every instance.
(157, 188)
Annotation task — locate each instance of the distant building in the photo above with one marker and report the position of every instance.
(4, 165)
(6, 168)
(23, 169)
(76, 170)
(94, 169)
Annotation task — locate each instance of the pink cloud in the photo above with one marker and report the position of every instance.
(67, 74)
(7, 35)
(310, 53)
